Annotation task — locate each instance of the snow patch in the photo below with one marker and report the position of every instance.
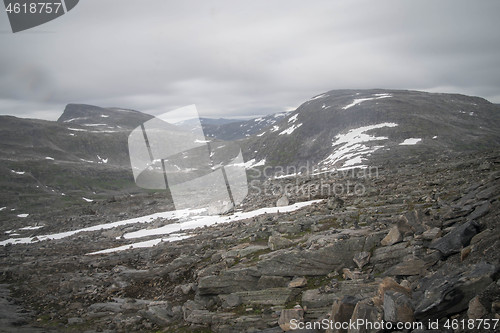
(318, 97)
(208, 220)
(351, 149)
(293, 118)
(260, 163)
(32, 228)
(18, 172)
(149, 243)
(290, 129)
(23, 215)
(361, 100)
(102, 160)
(49, 158)
(88, 200)
(410, 142)
(190, 218)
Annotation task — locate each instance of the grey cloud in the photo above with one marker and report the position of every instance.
(243, 58)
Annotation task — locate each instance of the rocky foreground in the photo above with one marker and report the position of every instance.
(420, 242)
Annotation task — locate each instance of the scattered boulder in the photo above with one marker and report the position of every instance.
(298, 282)
(362, 258)
(397, 307)
(480, 211)
(310, 262)
(334, 203)
(389, 284)
(432, 234)
(393, 237)
(476, 310)
(351, 275)
(283, 201)
(368, 311)
(220, 208)
(342, 310)
(277, 242)
(287, 315)
(411, 223)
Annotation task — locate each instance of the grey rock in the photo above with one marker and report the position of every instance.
(298, 282)
(412, 223)
(286, 316)
(311, 262)
(334, 203)
(273, 296)
(230, 301)
(480, 211)
(476, 309)
(74, 321)
(189, 307)
(202, 317)
(394, 236)
(488, 193)
(160, 313)
(283, 201)
(277, 242)
(447, 293)
(266, 282)
(368, 311)
(342, 310)
(289, 227)
(397, 307)
(431, 234)
(387, 256)
(457, 238)
(232, 280)
(362, 258)
(407, 268)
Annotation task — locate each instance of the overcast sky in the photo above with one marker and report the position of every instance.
(245, 58)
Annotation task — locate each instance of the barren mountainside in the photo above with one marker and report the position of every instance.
(388, 211)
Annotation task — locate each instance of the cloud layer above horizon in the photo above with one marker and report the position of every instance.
(241, 59)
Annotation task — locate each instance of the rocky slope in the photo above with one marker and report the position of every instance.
(412, 237)
(418, 243)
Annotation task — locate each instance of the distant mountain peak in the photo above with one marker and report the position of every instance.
(100, 118)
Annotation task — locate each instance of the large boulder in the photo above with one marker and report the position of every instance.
(398, 307)
(394, 236)
(283, 201)
(342, 310)
(456, 239)
(368, 311)
(446, 293)
(230, 281)
(362, 258)
(311, 262)
(276, 242)
(289, 316)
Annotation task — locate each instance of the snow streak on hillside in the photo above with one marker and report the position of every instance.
(350, 148)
